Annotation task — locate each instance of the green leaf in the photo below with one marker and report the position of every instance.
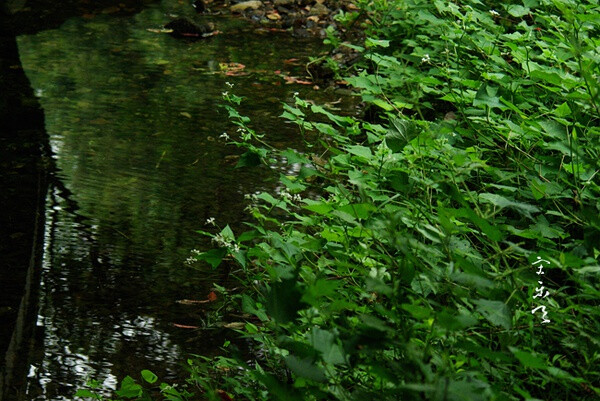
(563, 110)
(361, 151)
(283, 300)
(502, 202)
(305, 367)
(149, 376)
(417, 311)
(129, 388)
(213, 257)
(83, 393)
(325, 342)
(528, 360)
(318, 207)
(518, 10)
(377, 43)
(486, 95)
(248, 159)
(495, 312)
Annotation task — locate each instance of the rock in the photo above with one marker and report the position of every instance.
(319, 9)
(283, 2)
(245, 5)
(200, 6)
(185, 27)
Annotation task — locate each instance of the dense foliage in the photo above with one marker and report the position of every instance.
(404, 256)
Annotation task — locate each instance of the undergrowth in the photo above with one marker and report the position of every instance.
(447, 250)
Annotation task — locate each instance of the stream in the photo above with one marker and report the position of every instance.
(134, 122)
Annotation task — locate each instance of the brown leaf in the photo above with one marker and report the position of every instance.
(234, 325)
(212, 296)
(192, 301)
(183, 326)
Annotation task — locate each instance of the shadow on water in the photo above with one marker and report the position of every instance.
(24, 164)
(133, 124)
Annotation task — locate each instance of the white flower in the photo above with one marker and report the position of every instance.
(210, 220)
(425, 59)
(494, 13)
(229, 84)
(195, 252)
(190, 260)
(224, 136)
(225, 94)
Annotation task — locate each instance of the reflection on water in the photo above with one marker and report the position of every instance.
(133, 120)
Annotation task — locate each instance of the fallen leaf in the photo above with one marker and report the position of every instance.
(162, 30)
(185, 114)
(295, 80)
(183, 326)
(212, 296)
(274, 16)
(291, 60)
(192, 301)
(234, 325)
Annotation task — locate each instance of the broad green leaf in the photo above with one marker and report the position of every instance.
(213, 257)
(129, 388)
(528, 359)
(305, 367)
(248, 159)
(325, 342)
(417, 311)
(283, 300)
(495, 312)
(149, 376)
(563, 110)
(502, 202)
(320, 208)
(361, 151)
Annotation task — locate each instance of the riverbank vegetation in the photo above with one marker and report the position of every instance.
(445, 245)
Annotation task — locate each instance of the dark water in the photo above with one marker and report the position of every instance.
(134, 124)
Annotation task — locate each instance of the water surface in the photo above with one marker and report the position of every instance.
(134, 122)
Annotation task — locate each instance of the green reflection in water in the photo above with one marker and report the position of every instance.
(134, 122)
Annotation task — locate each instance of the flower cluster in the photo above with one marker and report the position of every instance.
(190, 260)
(292, 198)
(223, 242)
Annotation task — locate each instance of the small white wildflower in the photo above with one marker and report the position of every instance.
(494, 13)
(229, 84)
(236, 248)
(241, 129)
(425, 59)
(226, 93)
(224, 136)
(220, 240)
(190, 260)
(286, 195)
(297, 198)
(195, 252)
(210, 220)
(296, 94)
